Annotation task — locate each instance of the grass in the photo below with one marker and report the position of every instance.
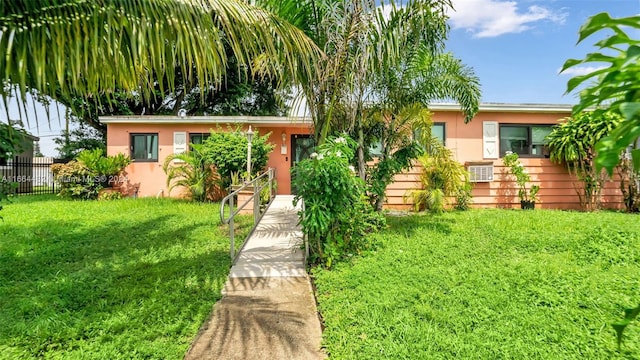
(107, 279)
(487, 284)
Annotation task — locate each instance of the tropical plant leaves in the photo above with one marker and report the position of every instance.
(616, 86)
(70, 47)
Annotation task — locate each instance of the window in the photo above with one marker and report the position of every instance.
(437, 131)
(524, 140)
(144, 147)
(198, 138)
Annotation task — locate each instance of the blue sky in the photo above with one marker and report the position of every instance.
(517, 47)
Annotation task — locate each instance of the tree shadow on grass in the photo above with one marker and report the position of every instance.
(118, 285)
(416, 224)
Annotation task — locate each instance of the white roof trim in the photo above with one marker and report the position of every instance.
(503, 107)
(170, 119)
(304, 120)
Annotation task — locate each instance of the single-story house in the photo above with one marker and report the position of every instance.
(479, 145)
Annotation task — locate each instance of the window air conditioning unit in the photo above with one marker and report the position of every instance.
(480, 171)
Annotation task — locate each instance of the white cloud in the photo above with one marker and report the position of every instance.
(491, 18)
(580, 70)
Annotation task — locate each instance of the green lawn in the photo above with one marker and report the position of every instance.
(124, 279)
(487, 284)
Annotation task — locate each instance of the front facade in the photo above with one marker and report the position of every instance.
(150, 139)
(479, 145)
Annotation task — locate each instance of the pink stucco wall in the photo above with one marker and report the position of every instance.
(557, 187)
(150, 179)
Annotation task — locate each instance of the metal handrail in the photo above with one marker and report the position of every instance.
(257, 185)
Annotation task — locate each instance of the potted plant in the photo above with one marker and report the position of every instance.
(528, 196)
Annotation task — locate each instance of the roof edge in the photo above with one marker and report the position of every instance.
(171, 119)
(507, 107)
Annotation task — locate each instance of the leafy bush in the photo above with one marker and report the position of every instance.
(194, 173)
(442, 178)
(76, 180)
(81, 179)
(227, 151)
(112, 195)
(573, 143)
(522, 176)
(337, 215)
(97, 162)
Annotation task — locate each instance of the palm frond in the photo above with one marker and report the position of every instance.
(92, 47)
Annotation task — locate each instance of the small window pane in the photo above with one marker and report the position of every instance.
(144, 147)
(539, 133)
(515, 139)
(375, 149)
(198, 138)
(539, 141)
(437, 131)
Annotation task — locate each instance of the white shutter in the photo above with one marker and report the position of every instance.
(179, 142)
(490, 145)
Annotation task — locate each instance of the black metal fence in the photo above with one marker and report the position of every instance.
(33, 175)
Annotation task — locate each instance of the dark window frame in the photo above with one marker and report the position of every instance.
(544, 153)
(204, 135)
(132, 150)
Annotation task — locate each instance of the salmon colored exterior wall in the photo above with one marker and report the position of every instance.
(557, 187)
(150, 179)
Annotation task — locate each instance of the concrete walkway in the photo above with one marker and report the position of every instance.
(268, 310)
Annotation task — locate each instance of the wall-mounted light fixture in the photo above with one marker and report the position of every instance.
(284, 137)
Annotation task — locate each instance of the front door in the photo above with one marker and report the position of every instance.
(302, 146)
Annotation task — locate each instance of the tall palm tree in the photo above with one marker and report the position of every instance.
(359, 38)
(387, 54)
(67, 47)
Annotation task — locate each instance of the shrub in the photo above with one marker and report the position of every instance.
(81, 179)
(76, 180)
(101, 165)
(227, 151)
(113, 195)
(522, 176)
(194, 173)
(337, 215)
(442, 178)
(573, 143)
